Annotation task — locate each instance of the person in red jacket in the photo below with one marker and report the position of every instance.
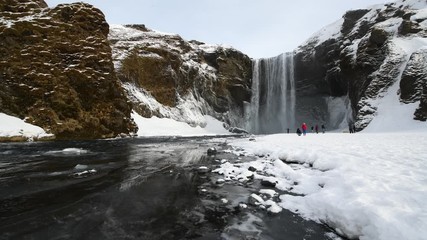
(304, 129)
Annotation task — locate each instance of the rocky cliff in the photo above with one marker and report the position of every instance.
(56, 70)
(167, 76)
(363, 57)
(66, 70)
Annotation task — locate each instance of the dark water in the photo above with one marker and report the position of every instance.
(130, 189)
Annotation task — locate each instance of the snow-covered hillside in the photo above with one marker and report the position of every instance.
(375, 57)
(168, 77)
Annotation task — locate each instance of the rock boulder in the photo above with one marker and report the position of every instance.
(57, 72)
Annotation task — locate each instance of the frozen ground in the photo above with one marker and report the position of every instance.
(365, 185)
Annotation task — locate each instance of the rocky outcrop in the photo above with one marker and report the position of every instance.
(413, 85)
(167, 76)
(364, 54)
(414, 77)
(56, 70)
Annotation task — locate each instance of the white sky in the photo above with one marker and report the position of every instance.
(259, 28)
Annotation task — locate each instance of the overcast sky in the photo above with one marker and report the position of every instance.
(259, 28)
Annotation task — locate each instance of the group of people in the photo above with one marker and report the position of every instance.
(313, 128)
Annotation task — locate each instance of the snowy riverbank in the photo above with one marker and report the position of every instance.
(154, 126)
(15, 129)
(365, 185)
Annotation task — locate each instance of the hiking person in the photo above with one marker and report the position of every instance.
(350, 127)
(304, 129)
(287, 130)
(312, 129)
(317, 128)
(323, 128)
(298, 132)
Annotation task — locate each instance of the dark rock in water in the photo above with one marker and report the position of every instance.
(212, 151)
(255, 200)
(217, 215)
(252, 169)
(220, 181)
(268, 183)
(57, 70)
(203, 170)
(237, 130)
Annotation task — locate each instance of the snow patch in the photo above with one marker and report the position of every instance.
(390, 25)
(155, 126)
(15, 127)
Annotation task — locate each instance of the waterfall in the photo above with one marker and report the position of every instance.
(272, 107)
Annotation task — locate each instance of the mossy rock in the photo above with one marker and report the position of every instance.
(155, 74)
(58, 72)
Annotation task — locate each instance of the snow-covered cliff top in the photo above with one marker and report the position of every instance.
(333, 31)
(127, 37)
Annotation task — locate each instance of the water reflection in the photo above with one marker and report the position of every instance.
(124, 189)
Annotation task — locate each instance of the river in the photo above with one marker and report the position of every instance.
(140, 188)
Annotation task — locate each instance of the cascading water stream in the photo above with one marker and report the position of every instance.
(272, 107)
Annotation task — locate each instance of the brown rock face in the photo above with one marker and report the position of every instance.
(170, 69)
(56, 70)
(234, 71)
(156, 75)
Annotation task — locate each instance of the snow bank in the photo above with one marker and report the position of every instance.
(15, 127)
(393, 115)
(366, 185)
(168, 127)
